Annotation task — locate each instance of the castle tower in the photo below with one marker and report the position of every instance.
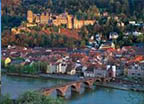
(69, 22)
(37, 19)
(44, 18)
(29, 16)
(75, 23)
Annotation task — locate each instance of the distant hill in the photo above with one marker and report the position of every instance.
(128, 7)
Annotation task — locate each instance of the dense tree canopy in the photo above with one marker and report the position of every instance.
(33, 40)
(31, 97)
(128, 7)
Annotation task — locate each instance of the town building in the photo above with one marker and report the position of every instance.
(135, 70)
(106, 45)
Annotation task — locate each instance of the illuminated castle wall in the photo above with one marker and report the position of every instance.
(64, 18)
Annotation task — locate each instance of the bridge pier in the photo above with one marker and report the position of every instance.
(89, 83)
(105, 80)
(98, 80)
(47, 92)
(62, 91)
(76, 87)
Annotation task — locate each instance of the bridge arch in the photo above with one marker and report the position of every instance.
(89, 83)
(107, 79)
(98, 80)
(62, 90)
(76, 87)
(47, 92)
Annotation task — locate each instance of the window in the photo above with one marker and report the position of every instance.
(63, 64)
(138, 74)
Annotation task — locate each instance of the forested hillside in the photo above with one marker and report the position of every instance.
(128, 7)
(14, 12)
(19, 8)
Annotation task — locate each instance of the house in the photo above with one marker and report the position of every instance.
(7, 61)
(135, 70)
(136, 33)
(98, 37)
(113, 35)
(95, 71)
(79, 70)
(120, 24)
(107, 45)
(71, 69)
(105, 14)
(100, 73)
(51, 68)
(120, 70)
(61, 67)
(111, 70)
(132, 22)
(89, 72)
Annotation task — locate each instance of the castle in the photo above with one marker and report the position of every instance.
(57, 20)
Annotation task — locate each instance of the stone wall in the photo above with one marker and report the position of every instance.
(59, 20)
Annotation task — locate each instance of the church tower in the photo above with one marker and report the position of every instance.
(29, 16)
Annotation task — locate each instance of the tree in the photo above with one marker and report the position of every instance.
(140, 38)
(5, 100)
(83, 43)
(32, 97)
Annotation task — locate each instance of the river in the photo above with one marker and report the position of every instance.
(15, 86)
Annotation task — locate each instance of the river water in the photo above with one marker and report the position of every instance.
(15, 86)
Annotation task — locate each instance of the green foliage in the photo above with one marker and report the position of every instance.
(140, 38)
(2, 63)
(11, 21)
(19, 58)
(33, 68)
(55, 29)
(32, 97)
(82, 44)
(37, 28)
(5, 100)
(91, 13)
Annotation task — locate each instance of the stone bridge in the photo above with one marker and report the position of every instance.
(74, 85)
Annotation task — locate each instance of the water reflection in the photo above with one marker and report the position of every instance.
(15, 86)
(107, 96)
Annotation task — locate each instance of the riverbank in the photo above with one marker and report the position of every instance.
(23, 75)
(46, 76)
(120, 87)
